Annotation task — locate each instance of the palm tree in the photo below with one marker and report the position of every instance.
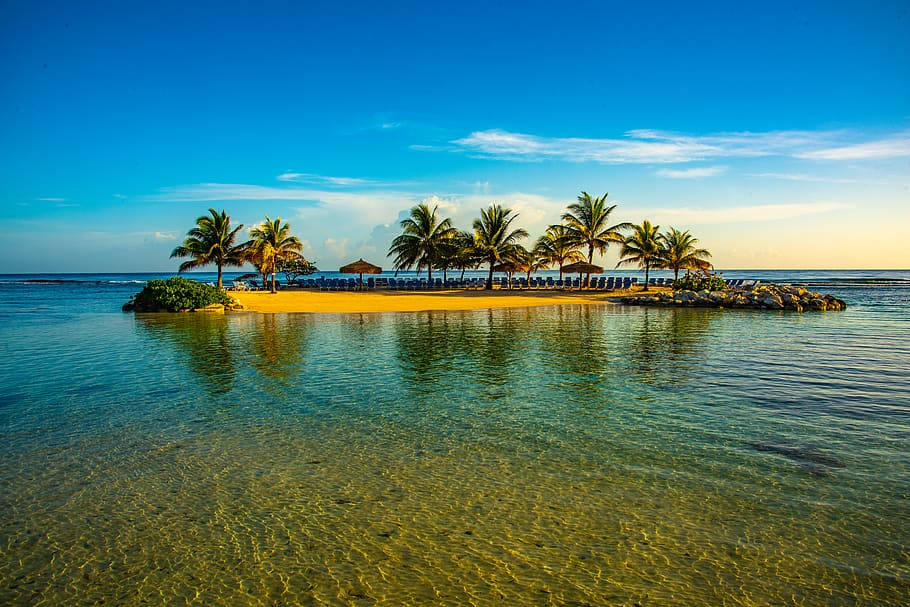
(532, 260)
(643, 247)
(587, 222)
(680, 252)
(494, 236)
(273, 242)
(212, 241)
(465, 255)
(422, 240)
(557, 247)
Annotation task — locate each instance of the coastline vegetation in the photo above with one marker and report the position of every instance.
(176, 295)
(431, 242)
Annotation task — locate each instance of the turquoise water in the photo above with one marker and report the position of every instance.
(563, 455)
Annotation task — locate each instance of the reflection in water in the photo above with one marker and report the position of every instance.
(277, 346)
(437, 348)
(665, 343)
(203, 342)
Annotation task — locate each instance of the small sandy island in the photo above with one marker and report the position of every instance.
(346, 302)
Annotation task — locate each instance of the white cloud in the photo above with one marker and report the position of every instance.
(897, 146)
(693, 173)
(51, 199)
(209, 192)
(323, 179)
(803, 177)
(651, 146)
(165, 236)
(739, 214)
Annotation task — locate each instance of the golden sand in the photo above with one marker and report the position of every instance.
(346, 302)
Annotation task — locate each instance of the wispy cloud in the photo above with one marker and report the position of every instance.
(897, 146)
(210, 192)
(51, 199)
(651, 146)
(165, 236)
(312, 178)
(693, 173)
(803, 177)
(323, 179)
(737, 214)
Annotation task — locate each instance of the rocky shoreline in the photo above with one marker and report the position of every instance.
(763, 297)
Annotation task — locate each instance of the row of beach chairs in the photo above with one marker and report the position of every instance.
(422, 284)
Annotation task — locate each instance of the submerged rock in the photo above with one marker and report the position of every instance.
(809, 458)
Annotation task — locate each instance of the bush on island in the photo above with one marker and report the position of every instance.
(693, 282)
(176, 294)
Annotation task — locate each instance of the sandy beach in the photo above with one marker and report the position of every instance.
(328, 302)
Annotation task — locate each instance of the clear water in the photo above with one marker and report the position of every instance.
(565, 455)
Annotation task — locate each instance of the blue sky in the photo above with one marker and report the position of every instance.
(779, 134)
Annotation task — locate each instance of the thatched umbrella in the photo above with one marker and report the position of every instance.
(360, 267)
(509, 267)
(583, 267)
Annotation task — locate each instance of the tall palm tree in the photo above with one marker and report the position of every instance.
(680, 252)
(587, 222)
(422, 239)
(494, 236)
(532, 260)
(643, 247)
(557, 247)
(212, 241)
(465, 255)
(272, 242)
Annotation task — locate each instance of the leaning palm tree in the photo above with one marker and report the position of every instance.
(680, 252)
(557, 247)
(212, 241)
(643, 247)
(423, 240)
(273, 242)
(531, 260)
(494, 236)
(465, 255)
(587, 223)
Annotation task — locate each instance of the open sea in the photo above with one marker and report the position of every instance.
(574, 455)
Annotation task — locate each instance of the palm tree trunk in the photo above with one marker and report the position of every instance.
(219, 276)
(490, 277)
(462, 273)
(274, 288)
(560, 271)
(647, 268)
(590, 260)
(445, 274)
(675, 274)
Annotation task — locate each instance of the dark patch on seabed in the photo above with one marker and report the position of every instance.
(809, 458)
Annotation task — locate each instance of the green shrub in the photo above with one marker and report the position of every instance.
(693, 282)
(176, 294)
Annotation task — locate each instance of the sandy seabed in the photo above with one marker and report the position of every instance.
(346, 302)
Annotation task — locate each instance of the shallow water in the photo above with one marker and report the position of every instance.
(565, 455)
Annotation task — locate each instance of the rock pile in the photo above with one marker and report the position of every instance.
(763, 297)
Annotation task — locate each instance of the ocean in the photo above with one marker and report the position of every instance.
(567, 455)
